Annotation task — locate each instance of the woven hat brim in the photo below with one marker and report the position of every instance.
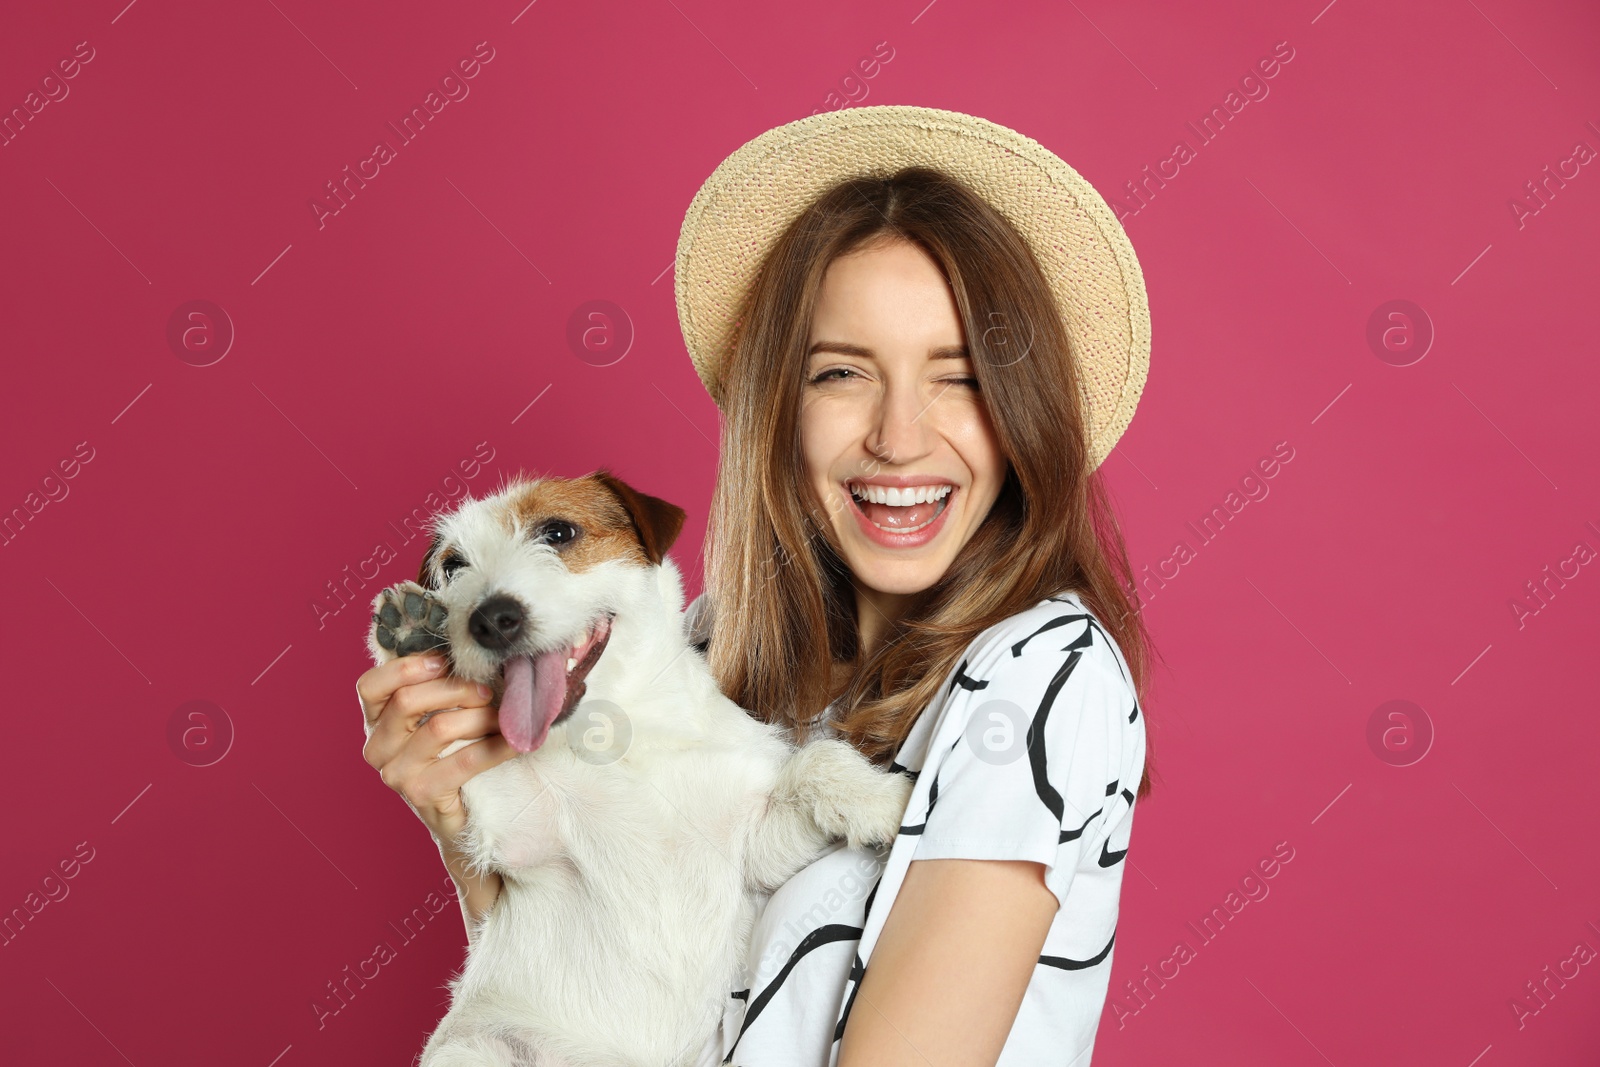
(753, 195)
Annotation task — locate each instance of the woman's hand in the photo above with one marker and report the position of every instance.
(395, 697)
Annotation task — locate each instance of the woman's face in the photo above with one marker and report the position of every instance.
(893, 432)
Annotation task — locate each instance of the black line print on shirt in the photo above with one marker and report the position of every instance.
(822, 935)
(1036, 752)
(1059, 620)
(858, 971)
(1077, 965)
(1073, 835)
(1095, 623)
(933, 795)
(1037, 759)
(1045, 790)
(896, 768)
(965, 682)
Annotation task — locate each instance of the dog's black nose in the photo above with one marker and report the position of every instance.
(496, 622)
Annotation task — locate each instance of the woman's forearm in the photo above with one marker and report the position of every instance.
(477, 892)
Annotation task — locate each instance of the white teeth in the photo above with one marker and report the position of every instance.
(583, 639)
(909, 529)
(894, 497)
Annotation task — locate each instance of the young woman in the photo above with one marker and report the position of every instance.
(919, 373)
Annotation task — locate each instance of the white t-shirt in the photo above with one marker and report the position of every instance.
(983, 790)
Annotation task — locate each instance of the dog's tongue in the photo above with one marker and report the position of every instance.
(536, 688)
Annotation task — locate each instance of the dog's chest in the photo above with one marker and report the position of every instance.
(652, 811)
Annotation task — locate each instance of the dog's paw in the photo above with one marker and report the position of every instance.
(880, 807)
(851, 798)
(406, 618)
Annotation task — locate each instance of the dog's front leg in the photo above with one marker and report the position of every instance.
(455, 1043)
(512, 819)
(827, 790)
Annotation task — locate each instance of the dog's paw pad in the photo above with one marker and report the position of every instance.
(409, 619)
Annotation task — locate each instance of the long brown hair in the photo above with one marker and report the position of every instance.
(779, 594)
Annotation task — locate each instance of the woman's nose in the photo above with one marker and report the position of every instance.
(900, 424)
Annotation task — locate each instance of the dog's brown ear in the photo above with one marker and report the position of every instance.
(425, 572)
(657, 521)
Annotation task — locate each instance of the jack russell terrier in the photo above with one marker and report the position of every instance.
(646, 818)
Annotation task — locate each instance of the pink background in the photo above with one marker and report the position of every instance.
(186, 559)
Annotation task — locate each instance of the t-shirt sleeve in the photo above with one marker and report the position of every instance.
(1028, 752)
(697, 621)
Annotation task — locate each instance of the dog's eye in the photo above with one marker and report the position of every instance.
(450, 565)
(557, 532)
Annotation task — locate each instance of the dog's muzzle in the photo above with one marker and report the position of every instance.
(496, 623)
(540, 688)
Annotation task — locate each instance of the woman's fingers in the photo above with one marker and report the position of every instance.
(422, 747)
(377, 685)
(438, 783)
(412, 715)
(398, 719)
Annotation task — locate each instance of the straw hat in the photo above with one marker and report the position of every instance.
(753, 196)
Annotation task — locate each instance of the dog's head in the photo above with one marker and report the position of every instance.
(533, 578)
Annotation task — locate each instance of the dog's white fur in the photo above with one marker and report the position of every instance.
(629, 887)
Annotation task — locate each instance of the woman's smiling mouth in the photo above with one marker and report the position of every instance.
(900, 516)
